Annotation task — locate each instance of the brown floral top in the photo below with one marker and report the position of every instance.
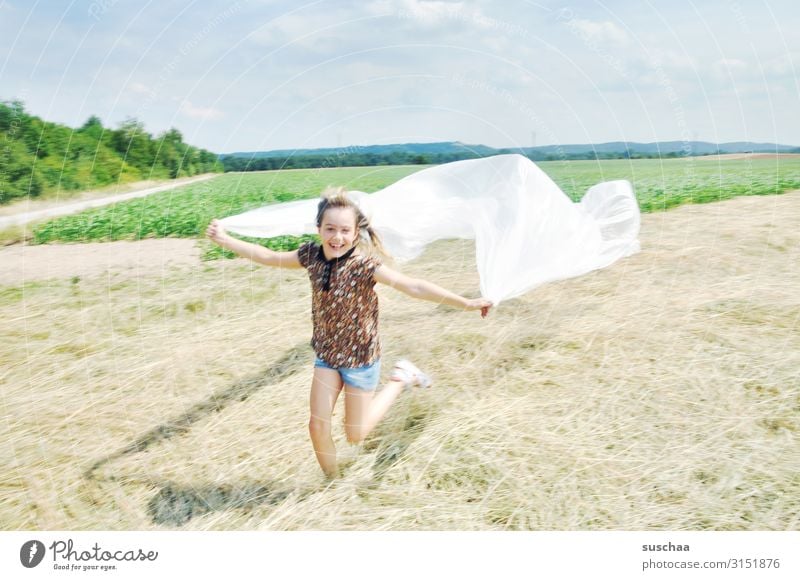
(346, 314)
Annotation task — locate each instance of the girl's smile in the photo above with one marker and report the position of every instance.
(338, 231)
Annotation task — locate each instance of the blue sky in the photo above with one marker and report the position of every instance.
(251, 75)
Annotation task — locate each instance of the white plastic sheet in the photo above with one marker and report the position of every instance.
(527, 231)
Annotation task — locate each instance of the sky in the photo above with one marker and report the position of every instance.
(253, 75)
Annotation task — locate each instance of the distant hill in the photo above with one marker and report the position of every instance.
(666, 147)
(446, 147)
(450, 147)
(428, 153)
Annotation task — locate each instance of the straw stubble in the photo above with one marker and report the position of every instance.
(660, 393)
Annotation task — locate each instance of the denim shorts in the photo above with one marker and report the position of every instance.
(365, 378)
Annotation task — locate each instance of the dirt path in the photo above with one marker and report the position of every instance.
(20, 263)
(28, 211)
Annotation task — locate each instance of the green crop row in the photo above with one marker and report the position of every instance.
(662, 184)
(185, 212)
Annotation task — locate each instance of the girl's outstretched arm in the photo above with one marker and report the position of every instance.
(217, 234)
(424, 290)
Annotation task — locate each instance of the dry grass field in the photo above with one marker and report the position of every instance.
(144, 390)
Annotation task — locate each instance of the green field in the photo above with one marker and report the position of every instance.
(185, 212)
(662, 184)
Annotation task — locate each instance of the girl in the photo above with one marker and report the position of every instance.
(343, 270)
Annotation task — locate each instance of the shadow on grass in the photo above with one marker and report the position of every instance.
(291, 362)
(176, 505)
(392, 441)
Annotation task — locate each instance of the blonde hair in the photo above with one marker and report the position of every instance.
(336, 197)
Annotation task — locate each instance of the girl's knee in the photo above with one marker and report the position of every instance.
(355, 433)
(319, 428)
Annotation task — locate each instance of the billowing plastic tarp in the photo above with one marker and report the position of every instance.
(527, 231)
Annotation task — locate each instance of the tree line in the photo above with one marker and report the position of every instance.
(349, 159)
(307, 161)
(37, 156)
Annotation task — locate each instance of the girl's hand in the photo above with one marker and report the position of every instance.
(480, 303)
(216, 233)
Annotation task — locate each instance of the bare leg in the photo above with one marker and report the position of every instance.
(325, 389)
(363, 410)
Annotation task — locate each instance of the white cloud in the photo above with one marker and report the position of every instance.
(429, 10)
(785, 65)
(290, 28)
(196, 112)
(731, 63)
(440, 14)
(724, 69)
(599, 32)
(669, 61)
(142, 89)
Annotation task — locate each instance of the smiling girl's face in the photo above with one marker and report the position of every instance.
(338, 231)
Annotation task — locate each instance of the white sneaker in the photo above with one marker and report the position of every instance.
(410, 375)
